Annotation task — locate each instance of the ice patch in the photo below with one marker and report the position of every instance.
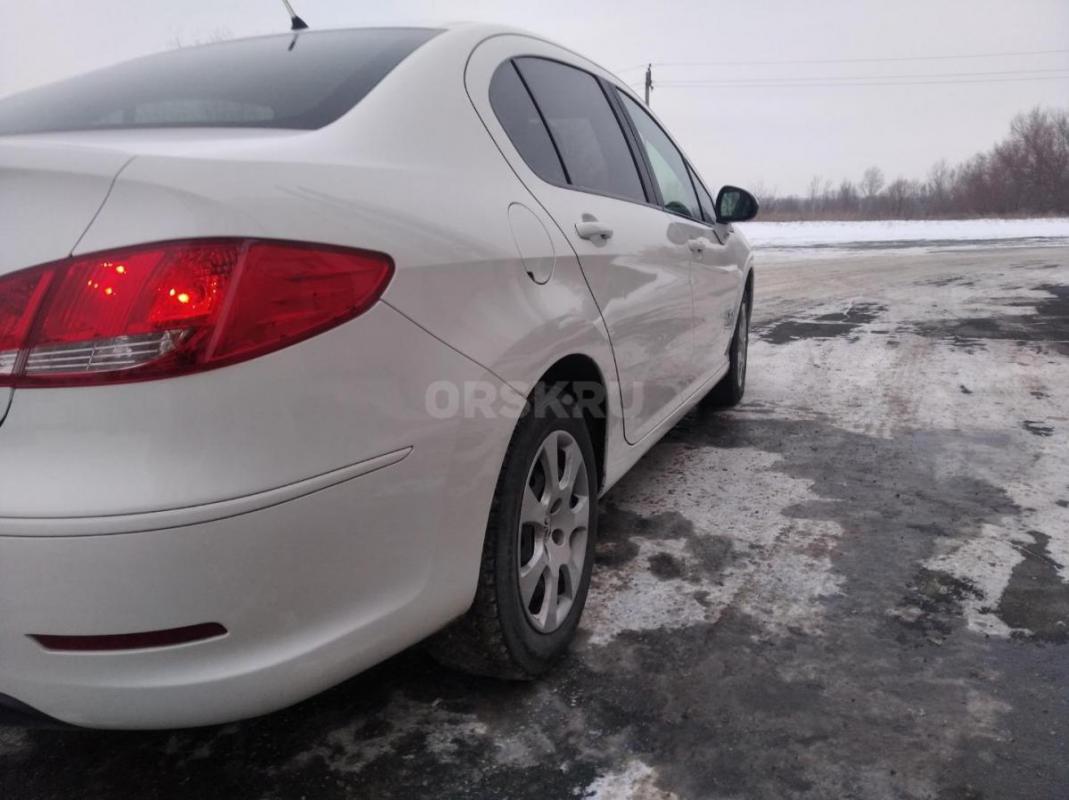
(636, 781)
(637, 600)
(350, 750)
(14, 741)
(780, 569)
(986, 562)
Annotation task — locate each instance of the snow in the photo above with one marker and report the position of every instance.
(789, 240)
(776, 580)
(637, 781)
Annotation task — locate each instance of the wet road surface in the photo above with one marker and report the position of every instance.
(855, 585)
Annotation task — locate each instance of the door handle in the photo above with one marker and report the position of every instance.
(697, 246)
(593, 230)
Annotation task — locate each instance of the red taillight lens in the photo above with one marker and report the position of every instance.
(20, 297)
(168, 309)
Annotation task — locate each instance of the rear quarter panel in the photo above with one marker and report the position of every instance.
(48, 196)
(412, 172)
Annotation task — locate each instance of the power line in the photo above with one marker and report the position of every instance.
(737, 85)
(905, 76)
(868, 60)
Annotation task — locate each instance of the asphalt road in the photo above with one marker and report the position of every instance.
(853, 586)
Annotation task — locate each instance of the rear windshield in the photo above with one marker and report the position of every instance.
(300, 81)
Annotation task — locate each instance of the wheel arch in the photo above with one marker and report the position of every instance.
(585, 381)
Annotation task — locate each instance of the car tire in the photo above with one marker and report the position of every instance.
(732, 386)
(535, 573)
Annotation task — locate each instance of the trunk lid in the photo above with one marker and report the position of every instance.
(52, 185)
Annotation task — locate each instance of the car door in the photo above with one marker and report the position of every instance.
(634, 255)
(718, 283)
(714, 279)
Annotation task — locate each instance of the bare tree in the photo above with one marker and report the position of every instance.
(872, 182)
(899, 195)
(1025, 173)
(847, 193)
(814, 194)
(939, 180)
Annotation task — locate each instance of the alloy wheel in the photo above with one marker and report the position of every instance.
(553, 530)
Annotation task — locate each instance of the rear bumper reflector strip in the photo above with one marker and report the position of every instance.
(130, 641)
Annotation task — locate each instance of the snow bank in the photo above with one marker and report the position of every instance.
(825, 239)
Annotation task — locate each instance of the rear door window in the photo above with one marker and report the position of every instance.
(669, 168)
(584, 127)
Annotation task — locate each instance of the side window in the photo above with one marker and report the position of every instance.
(518, 116)
(669, 169)
(585, 129)
(708, 206)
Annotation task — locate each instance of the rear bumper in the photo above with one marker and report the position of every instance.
(311, 591)
(218, 498)
(16, 714)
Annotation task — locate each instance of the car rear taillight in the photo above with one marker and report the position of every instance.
(161, 310)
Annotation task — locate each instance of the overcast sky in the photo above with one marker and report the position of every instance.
(772, 127)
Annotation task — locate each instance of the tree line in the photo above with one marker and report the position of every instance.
(1025, 174)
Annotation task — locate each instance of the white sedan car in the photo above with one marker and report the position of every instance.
(314, 346)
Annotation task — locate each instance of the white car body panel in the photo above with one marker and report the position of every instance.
(303, 497)
(717, 280)
(298, 624)
(644, 277)
(49, 192)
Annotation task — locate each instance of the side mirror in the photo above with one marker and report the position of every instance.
(735, 205)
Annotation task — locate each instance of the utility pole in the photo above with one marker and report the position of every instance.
(649, 82)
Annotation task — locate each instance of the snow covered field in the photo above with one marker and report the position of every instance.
(790, 240)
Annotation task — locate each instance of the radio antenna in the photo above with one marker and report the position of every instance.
(296, 23)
